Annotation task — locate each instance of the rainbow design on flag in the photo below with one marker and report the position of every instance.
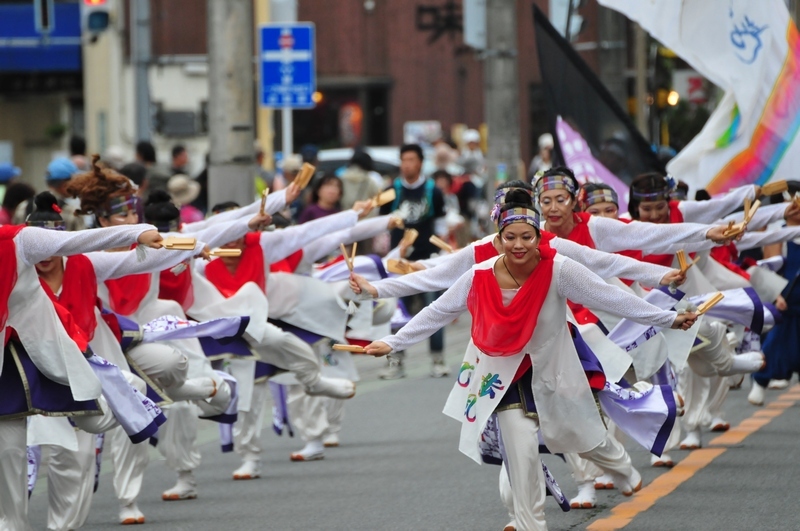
(775, 132)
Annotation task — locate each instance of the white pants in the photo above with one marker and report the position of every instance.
(130, 461)
(717, 355)
(70, 480)
(71, 474)
(335, 410)
(720, 386)
(177, 437)
(13, 475)
(247, 429)
(164, 364)
(314, 417)
(14, 464)
(695, 390)
(521, 442)
(289, 352)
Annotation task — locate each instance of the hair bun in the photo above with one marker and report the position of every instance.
(158, 196)
(46, 202)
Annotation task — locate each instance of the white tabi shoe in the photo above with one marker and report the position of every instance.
(511, 526)
(586, 498)
(130, 515)
(718, 424)
(249, 470)
(332, 387)
(778, 384)
(664, 461)
(692, 441)
(627, 486)
(606, 481)
(439, 368)
(394, 370)
(184, 489)
(745, 363)
(313, 451)
(330, 441)
(757, 394)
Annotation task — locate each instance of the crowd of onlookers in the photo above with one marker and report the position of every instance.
(459, 175)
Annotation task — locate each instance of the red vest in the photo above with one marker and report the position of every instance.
(250, 268)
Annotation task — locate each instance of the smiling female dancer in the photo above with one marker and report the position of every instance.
(519, 333)
(59, 380)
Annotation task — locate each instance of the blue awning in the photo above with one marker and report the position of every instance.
(24, 50)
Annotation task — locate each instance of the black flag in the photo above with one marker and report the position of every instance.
(574, 92)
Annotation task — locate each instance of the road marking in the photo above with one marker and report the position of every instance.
(624, 513)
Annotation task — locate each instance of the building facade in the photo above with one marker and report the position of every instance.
(381, 63)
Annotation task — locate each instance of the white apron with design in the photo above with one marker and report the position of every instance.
(568, 415)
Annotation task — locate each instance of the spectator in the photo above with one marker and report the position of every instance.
(357, 182)
(309, 154)
(137, 173)
(421, 206)
(543, 160)
(8, 173)
(114, 157)
(16, 194)
(77, 153)
(146, 155)
(201, 203)
(59, 173)
(180, 159)
(290, 168)
(183, 191)
(453, 218)
(325, 199)
(472, 139)
(445, 157)
(264, 178)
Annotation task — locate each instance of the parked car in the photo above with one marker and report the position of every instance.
(385, 159)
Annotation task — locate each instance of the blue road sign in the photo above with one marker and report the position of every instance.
(287, 65)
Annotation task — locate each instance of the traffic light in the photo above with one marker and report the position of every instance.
(95, 16)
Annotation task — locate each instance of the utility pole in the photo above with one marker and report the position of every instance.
(140, 15)
(231, 101)
(501, 92)
(640, 62)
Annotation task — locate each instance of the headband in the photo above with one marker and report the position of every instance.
(517, 215)
(123, 204)
(599, 195)
(59, 224)
(663, 193)
(500, 200)
(501, 193)
(555, 182)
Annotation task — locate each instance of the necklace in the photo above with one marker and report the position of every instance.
(509, 272)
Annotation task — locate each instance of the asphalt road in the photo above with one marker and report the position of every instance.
(398, 468)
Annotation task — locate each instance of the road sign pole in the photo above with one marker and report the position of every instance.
(287, 132)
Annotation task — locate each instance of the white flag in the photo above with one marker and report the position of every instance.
(752, 51)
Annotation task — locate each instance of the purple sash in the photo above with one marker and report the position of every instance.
(25, 390)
